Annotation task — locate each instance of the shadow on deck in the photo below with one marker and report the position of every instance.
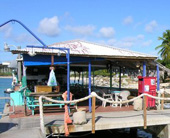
(20, 111)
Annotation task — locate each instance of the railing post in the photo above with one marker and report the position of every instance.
(162, 102)
(89, 86)
(41, 116)
(93, 113)
(144, 112)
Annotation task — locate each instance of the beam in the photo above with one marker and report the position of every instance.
(110, 76)
(158, 83)
(144, 69)
(120, 79)
(68, 74)
(90, 86)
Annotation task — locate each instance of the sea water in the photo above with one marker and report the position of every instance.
(4, 84)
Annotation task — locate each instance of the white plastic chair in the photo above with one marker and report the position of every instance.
(108, 97)
(99, 93)
(123, 96)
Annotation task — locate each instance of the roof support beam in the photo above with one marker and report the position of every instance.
(144, 69)
(90, 86)
(120, 78)
(158, 83)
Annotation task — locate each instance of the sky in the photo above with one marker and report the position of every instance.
(130, 24)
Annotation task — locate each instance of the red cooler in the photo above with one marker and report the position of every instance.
(147, 85)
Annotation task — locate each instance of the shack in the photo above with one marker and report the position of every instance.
(84, 56)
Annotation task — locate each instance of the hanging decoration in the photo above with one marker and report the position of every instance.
(52, 79)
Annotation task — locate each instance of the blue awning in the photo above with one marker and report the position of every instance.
(39, 60)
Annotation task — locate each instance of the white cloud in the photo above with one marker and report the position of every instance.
(147, 43)
(128, 42)
(128, 20)
(151, 26)
(7, 30)
(25, 38)
(81, 30)
(140, 36)
(123, 43)
(111, 41)
(49, 26)
(107, 32)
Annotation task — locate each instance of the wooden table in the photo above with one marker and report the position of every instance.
(48, 94)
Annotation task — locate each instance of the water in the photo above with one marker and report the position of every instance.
(115, 133)
(4, 84)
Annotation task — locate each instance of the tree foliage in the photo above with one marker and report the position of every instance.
(164, 49)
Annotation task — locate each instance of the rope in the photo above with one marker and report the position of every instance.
(93, 94)
(102, 99)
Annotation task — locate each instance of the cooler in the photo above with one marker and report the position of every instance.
(147, 85)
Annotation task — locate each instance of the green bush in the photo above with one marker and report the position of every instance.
(5, 74)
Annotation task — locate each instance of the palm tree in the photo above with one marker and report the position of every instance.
(164, 47)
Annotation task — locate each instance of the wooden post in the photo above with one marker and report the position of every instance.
(89, 86)
(120, 81)
(162, 102)
(52, 60)
(25, 105)
(110, 77)
(93, 113)
(144, 112)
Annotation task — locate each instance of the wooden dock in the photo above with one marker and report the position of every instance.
(30, 126)
(116, 120)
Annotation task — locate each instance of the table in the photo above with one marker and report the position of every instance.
(49, 94)
(115, 94)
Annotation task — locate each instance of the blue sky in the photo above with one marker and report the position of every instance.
(134, 25)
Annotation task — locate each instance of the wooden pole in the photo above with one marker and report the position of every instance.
(89, 86)
(120, 81)
(93, 114)
(144, 112)
(162, 102)
(52, 60)
(25, 105)
(110, 77)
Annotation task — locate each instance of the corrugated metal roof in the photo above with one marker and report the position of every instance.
(84, 48)
(88, 48)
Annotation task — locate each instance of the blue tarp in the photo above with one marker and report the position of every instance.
(39, 60)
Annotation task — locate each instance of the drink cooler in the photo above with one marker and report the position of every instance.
(147, 85)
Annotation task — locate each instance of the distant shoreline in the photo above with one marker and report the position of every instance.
(5, 76)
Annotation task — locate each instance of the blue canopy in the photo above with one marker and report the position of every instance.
(39, 60)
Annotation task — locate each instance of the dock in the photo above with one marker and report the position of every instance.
(117, 120)
(30, 126)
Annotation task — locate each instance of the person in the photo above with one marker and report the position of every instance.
(14, 78)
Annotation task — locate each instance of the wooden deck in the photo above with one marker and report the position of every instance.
(105, 118)
(58, 111)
